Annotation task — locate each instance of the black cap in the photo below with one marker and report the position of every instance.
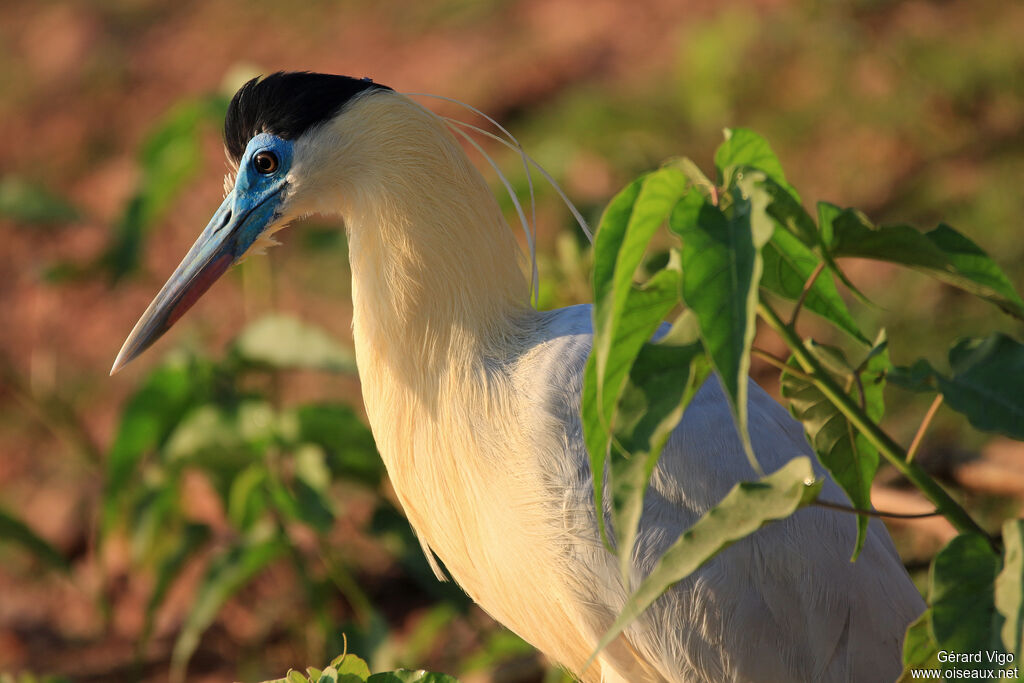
(287, 104)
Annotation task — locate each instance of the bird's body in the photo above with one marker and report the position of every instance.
(474, 401)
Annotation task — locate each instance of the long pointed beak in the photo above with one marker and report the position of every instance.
(229, 233)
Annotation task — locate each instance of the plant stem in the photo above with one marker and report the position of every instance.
(889, 449)
(803, 294)
(779, 363)
(919, 436)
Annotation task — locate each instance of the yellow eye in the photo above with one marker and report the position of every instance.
(265, 162)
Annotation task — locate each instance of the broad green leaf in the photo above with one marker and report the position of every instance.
(847, 454)
(313, 673)
(13, 530)
(283, 342)
(986, 383)
(33, 204)
(626, 228)
(787, 211)
(745, 509)
(296, 677)
(788, 264)
(692, 173)
(1009, 587)
(974, 271)
(943, 253)
(722, 264)
(744, 147)
(920, 651)
(963, 613)
(406, 676)
(350, 665)
(225, 576)
(663, 379)
(647, 307)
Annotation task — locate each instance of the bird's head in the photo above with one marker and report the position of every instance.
(269, 132)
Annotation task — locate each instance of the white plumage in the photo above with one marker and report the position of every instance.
(474, 401)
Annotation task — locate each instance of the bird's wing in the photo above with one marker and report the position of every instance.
(784, 604)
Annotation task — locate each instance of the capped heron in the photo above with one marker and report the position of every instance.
(473, 398)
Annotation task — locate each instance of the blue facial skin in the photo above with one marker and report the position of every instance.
(256, 199)
(245, 213)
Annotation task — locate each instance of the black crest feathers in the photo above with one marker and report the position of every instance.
(287, 104)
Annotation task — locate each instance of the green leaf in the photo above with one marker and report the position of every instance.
(648, 306)
(351, 451)
(920, 651)
(788, 264)
(1009, 587)
(624, 316)
(827, 214)
(722, 264)
(32, 204)
(223, 440)
(626, 228)
(312, 479)
(986, 383)
(328, 675)
(847, 454)
(918, 377)
(15, 531)
(147, 420)
(974, 271)
(943, 253)
(226, 575)
(744, 147)
(963, 613)
(663, 379)
(246, 502)
(406, 676)
(745, 509)
(187, 544)
(350, 665)
(283, 342)
(296, 677)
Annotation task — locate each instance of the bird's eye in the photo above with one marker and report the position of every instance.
(265, 162)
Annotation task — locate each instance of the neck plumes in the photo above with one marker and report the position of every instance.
(437, 277)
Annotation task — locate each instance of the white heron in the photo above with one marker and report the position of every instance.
(474, 400)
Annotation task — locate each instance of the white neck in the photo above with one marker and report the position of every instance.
(441, 316)
(437, 276)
